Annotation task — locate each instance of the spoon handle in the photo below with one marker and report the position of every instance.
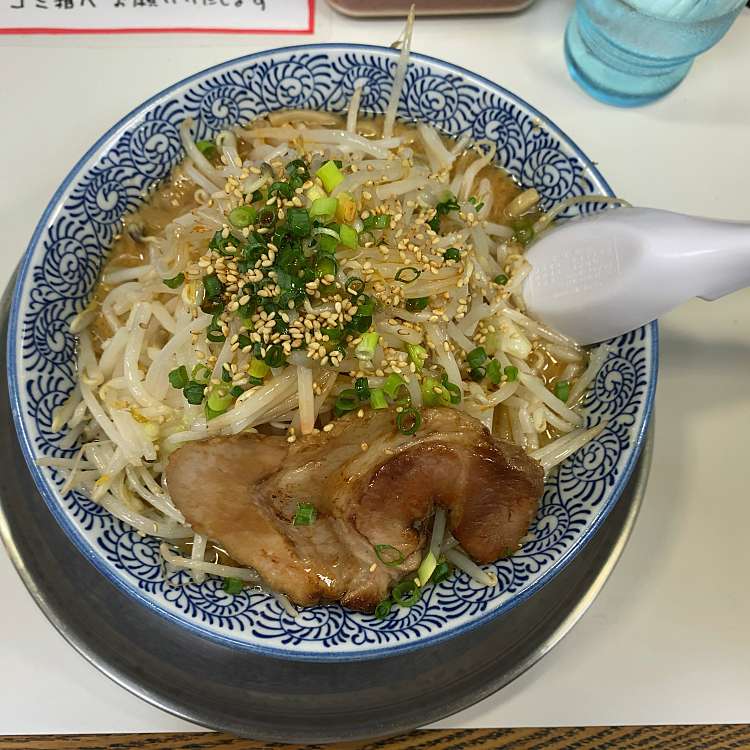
(719, 253)
(602, 275)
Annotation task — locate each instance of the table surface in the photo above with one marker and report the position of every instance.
(671, 737)
(667, 641)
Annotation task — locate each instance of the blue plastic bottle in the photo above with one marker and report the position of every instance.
(630, 52)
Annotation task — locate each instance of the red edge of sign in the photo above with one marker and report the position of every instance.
(178, 30)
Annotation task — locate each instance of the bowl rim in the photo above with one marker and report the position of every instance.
(86, 549)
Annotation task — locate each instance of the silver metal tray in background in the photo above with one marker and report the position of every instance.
(256, 696)
(385, 8)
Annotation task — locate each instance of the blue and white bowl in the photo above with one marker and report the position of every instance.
(70, 245)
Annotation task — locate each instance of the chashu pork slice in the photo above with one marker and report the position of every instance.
(371, 486)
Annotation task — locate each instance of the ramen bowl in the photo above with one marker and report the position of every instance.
(70, 245)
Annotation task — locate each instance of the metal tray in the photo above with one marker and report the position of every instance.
(280, 700)
(381, 8)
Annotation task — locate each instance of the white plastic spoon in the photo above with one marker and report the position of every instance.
(596, 277)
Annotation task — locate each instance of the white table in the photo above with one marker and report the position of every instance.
(668, 639)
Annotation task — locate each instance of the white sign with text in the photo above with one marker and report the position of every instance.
(155, 16)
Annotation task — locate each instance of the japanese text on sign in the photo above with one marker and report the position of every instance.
(111, 16)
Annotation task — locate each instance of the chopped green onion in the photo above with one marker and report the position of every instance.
(194, 392)
(299, 222)
(274, 356)
(354, 285)
(501, 279)
(237, 391)
(212, 286)
(175, 281)
(210, 414)
(383, 609)
(415, 304)
(477, 374)
(389, 555)
(478, 205)
(326, 266)
(305, 514)
(408, 274)
(201, 374)
(408, 421)
(214, 332)
(330, 175)
(219, 242)
(226, 375)
(525, 235)
(441, 572)
(324, 208)
(281, 237)
(328, 242)
(417, 354)
(232, 586)
(219, 400)
(381, 221)
(511, 373)
(454, 392)
(242, 216)
(434, 394)
(207, 148)
(443, 208)
(476, 357)
(361, 323)
(452, 253)
(315, 192)
(334, 334)
(267, 216)
(296, 166)
(366, 347)
(365, 305)
(258, 369)
(349, 236)
(493, 371)
(281, 188)
(179, 378)
(362, 388)
(252, 248)
(406, 593)
(562, 390)
(426, 568)
(393, 384)
(377, 399)
(346, 401)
